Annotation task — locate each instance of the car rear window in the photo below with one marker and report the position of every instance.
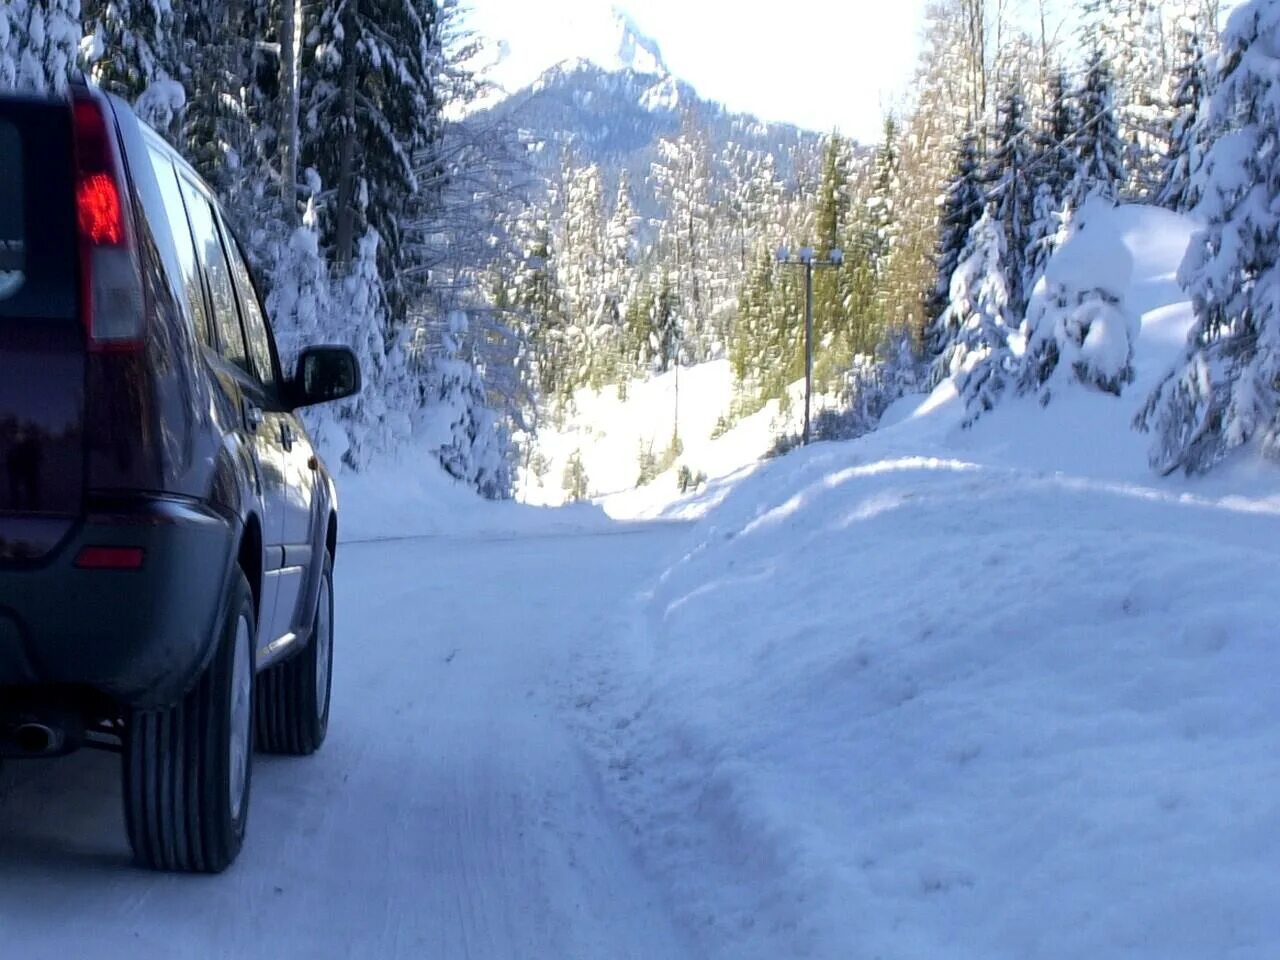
(38, 278)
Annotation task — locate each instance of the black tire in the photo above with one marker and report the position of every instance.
(183, 809)
(293, 697)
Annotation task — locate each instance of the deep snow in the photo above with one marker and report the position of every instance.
(994, 692)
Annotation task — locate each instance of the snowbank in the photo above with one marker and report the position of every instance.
(985, 693)
(413, 497)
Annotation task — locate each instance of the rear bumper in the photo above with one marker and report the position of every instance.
(140, 636)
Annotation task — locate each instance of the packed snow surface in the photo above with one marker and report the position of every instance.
(450, 815)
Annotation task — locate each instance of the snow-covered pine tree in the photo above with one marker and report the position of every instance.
(369, 107)
(1100, 169)
(1225, 392)
(299, 301)
(979, 357)
(218, 135)
(8, 45)
(474, 446)
(1054, 164)
(129, 44)
(829, 319)
(638, 331)
(962, 206)
(884, 200)
(746, 351)
(666, 338)
(42, 44)
(609, 344)
(863, 290)
(683, 182)
(582, 255)
(535, 295)
(1128, 37)
(378, 419)
(1186, 134)
(621, 241)
(1011, 186)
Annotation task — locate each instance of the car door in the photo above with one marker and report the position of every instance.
(297, 504)
(253, 394)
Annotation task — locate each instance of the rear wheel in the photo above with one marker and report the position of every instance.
(187, 768)
(293, 697)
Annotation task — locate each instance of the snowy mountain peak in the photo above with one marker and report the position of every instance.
(613, 43)
(634, 50)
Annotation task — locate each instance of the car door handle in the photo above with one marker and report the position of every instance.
(252, 416)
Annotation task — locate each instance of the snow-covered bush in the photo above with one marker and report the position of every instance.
(475, 447)
(1225, 392)
(871, 386)
(1077, 322)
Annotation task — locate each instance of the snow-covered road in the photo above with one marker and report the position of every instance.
(451, 814)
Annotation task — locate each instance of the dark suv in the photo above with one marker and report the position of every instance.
(167, 532)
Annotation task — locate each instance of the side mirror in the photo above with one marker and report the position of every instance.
(325, 374)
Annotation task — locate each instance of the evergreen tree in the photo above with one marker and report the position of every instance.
(1010, 176)
(131, 43)
(638, 334)
(832, 218)
(536, 295)
(42, 44)
(962, 207)
(9, 44)
(1054, 164)
(476, 447)
(978, 356)
(882, 208)
(370, 109)
(682, 179)
(1226, 391)
(575, 483)
(1127, 35)
(218, 137)
(299, 297)
(665, 337)
(1055, 157)
(375, 421)
(1100, 169)
(1186, 134)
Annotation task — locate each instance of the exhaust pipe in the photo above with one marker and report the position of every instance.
(38, 739)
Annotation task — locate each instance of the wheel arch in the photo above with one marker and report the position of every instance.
(249, 559)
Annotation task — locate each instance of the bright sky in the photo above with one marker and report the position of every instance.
(824, 64)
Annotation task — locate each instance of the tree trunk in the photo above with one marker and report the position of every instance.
(290, 30)
(347, 130)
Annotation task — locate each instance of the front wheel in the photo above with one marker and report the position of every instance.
(187, 767)
(293, 697)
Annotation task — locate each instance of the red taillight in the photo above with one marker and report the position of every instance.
(101, 217)
(110, 558)
(111, 281)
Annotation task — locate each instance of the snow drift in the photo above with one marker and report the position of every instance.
(968, 693)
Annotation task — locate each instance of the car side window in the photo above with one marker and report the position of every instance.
(255, 325)
(226, 315)
(176, 214)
